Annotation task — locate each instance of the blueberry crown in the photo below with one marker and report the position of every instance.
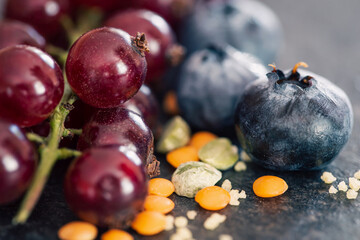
(293, 77)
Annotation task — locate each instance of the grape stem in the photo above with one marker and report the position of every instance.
(35, 138)
(71, 132)
(64, 153)
(49, 154)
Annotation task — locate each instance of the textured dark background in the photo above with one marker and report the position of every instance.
(326, 35)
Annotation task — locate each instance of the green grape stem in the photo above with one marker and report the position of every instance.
(49, 154)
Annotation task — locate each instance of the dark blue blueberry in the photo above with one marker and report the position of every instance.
(211, 82)
(295, 121)
(249, 26)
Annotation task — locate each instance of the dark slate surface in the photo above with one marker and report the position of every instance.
(325, 34)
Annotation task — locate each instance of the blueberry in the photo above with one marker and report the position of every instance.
(211, 82)
(249, 26)
(297, 121)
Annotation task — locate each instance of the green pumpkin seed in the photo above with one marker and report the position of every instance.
(176, 134)
(219, 153)
(191, 177)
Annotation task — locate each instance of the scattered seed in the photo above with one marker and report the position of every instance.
(176, 134)
(182, 155)
(181, 222)
(78, 230)
(219, 153)
(169, 223)
(200, 139)
(149, 223)
(357, 175)
(234, 198)
(332, 190)
(269, 186)
(158, 204)
(240, 166)
(191, 214)
(182, 234)
(116, 234)
(225, 237)
(226, 185)
(245, 157)
(161, 187)
(351, 194)
(354, 184)
(184, 176)
(328, 177)
(342, 186)
(214, 221)
(242, 194)
(212, 198)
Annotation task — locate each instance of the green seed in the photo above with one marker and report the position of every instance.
(219, 153)
(191, 177)
(176, 134)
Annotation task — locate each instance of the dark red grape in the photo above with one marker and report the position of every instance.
(159, 35)
(105, 67)
(105, 187)
(14, 33)
(42, 129)
(119, 127)
(31, 85)
(80, 115)
(145, 104)
(17, 162)
(44, 15)
(106, 5)
(172, 10)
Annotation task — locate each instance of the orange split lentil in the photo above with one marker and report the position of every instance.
(78, 230)
(182, 155)
(200, 139)
(170, 104)
(213, 198)
(149, 223)
(161, 187)
(158, 204)
(269, 186)
(116, 234)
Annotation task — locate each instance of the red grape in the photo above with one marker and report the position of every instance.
(172, 10)
(42, 129)
(14, 33)
(119, 127)
(44, 15)
(31, 85)
(17, 162)
(145, 104)
(159, 35)
(105, 187)
(105, 67)
(80, 115)
(106, 5)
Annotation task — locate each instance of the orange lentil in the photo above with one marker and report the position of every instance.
(115, 234)
(78, 230)
(269, 186)
(158, 204)
(182, 155)
(161, 187)
(170, 104)
(149, 223)
(200, 139)
(213, 198)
